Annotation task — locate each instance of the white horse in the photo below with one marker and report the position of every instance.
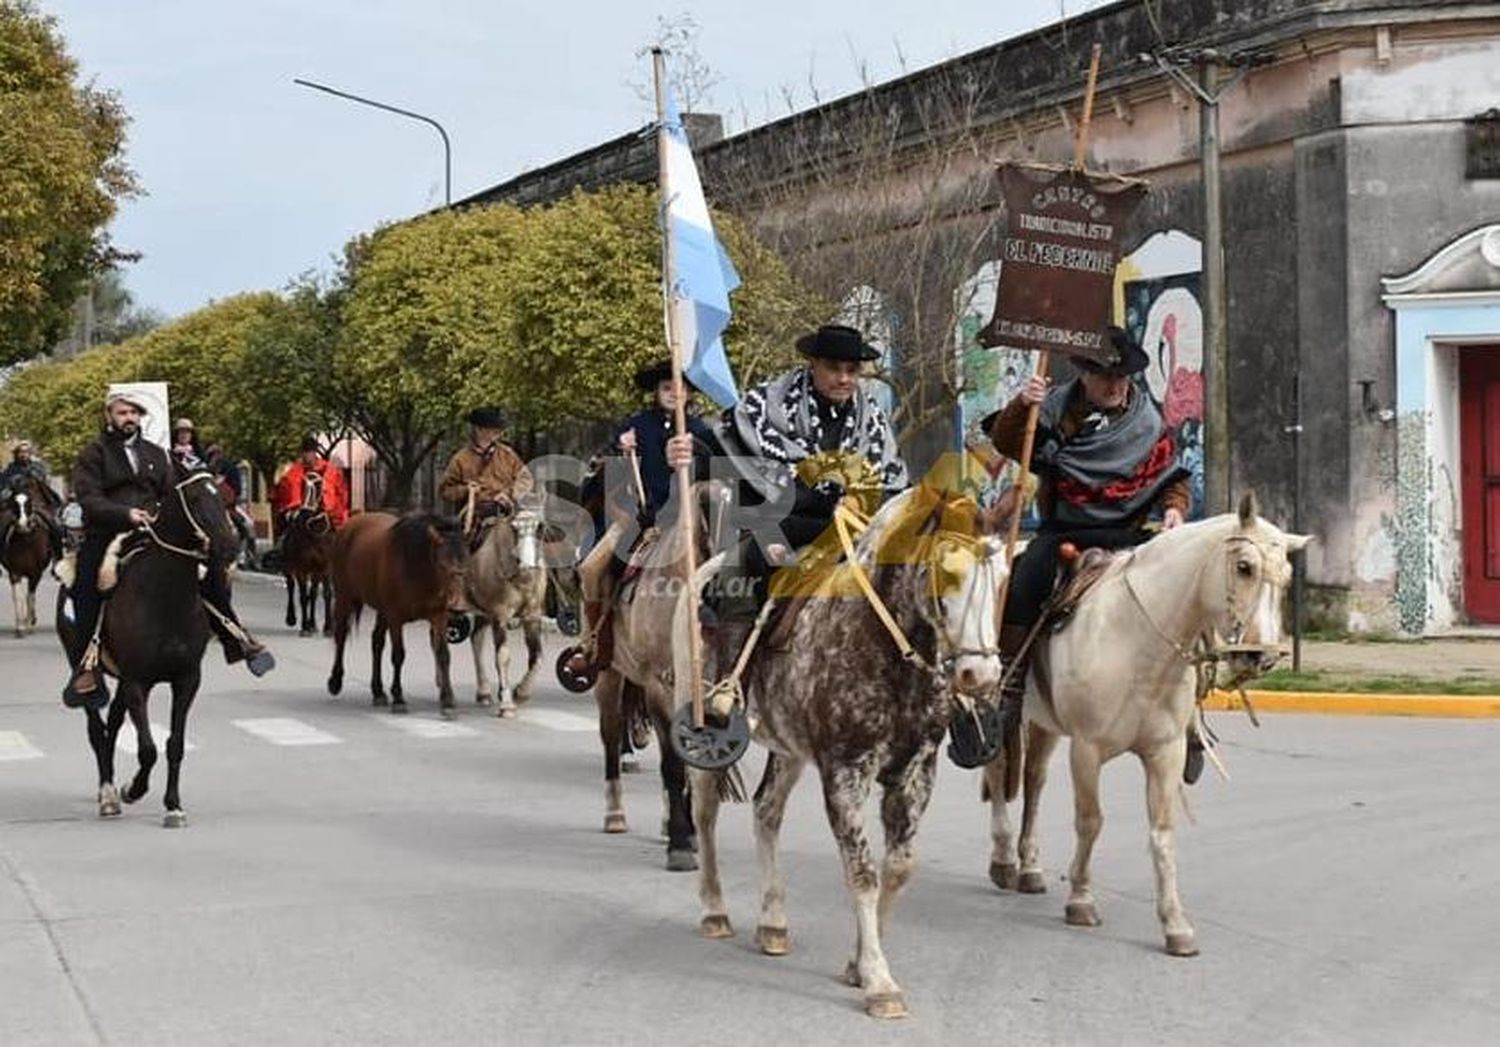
(505, 580)
(1121, 677)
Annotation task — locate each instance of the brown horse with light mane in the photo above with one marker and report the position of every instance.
(407, 569)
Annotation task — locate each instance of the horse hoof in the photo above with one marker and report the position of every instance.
(483, 699)
(1005, 875)
(886, 1005)
(399, 708)
(132, 794)
(681, 861)
(507, 712)
(614, 822)
(447, 712)
(1182, 945)
(1082, 914)
(1031, 883)
(851, 975)
(109, 802)
(335, 684)
(174, 820)
(716, 926)
(773, 941)
(304, 633)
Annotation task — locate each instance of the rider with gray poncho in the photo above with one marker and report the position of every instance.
(1106, 464)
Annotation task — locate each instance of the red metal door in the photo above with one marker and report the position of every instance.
(1479, 430)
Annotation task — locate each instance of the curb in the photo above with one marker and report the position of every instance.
(1437, 706)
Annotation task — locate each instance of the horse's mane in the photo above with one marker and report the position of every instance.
(409, 537)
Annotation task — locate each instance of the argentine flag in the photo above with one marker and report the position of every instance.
(700, 274)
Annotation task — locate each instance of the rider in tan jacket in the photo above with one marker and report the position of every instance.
(487, 466)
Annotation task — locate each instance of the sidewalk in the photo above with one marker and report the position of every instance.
(1443, 677)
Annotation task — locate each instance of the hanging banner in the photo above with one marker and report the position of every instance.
(1063, 233)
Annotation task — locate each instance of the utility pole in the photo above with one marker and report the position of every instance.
(1208, 88)
(447, 145)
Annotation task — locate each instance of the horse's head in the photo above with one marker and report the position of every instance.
(1247, 592)
(960, 572)
(312, 492)
(194, 517)
(19, 511)
(433, 547)
(526, 522)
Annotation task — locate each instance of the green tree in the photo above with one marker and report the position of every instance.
(62, 174)
(59, 404)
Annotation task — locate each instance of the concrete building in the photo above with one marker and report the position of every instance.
(1361, 175)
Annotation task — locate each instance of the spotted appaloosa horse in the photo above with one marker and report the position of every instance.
(406, 568)
(25, 548)
(1119, 677)
(507, 579)
(305, 546)
(840, 696)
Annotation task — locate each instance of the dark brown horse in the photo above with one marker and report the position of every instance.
(25, 547)
(406, 568)
(154, 630)
(305, 544)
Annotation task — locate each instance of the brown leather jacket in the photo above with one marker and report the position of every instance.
(500, 473)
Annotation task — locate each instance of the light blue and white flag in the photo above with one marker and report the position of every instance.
(701, 275)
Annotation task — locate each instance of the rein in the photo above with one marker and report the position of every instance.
(204, 542)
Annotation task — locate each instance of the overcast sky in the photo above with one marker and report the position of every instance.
(251, 180)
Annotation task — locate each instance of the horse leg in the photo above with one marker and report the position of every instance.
(398, 659)
(307, 596)
(1005, 871)
(609, 697)
(502, 667)
(1162, 769)
(31, 604)
(291, 597)
(102, 741)
(714, 923)
(18, 599)
(326, 587)
(145, 747)
(531, 629)
(377, 656)
(1088, 819)
(1040, 744)
(845, 788)
(184, 690)
(681, 847)
(775, 787)
(437, 635)
(484, 685)
(901, 808)
(343, 609)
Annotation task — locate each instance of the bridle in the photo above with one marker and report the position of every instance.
(201, 554)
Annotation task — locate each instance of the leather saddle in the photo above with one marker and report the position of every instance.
(1078, 575)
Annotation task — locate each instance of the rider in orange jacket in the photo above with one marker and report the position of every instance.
(287, 497)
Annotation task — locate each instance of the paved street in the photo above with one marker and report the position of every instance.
(350, 877)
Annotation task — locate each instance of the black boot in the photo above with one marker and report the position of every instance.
(1192, 767)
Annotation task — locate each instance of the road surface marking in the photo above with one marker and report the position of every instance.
(159, 734)
(15, 746)
(286, 731)
(420, 728)
(557, 720)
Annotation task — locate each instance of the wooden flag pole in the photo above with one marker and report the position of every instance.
(687, 514)
(1044, 358)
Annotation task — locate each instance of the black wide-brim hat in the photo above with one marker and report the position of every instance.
(487, 418)
(1130, 358)
(837, 342)
(648, 378)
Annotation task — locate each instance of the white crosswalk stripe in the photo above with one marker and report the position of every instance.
(160, 732)
(420, 728)
(15, 746)
(557, 720)
(286, 731)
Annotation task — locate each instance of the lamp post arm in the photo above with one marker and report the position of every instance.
(447, 145)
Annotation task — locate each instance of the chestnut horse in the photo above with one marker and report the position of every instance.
(406, 568)
(25, 548)
(305, 544)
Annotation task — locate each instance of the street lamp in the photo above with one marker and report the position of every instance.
(447, 146)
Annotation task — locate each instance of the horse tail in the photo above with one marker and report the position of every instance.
(1015, 760)
(682, 666)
